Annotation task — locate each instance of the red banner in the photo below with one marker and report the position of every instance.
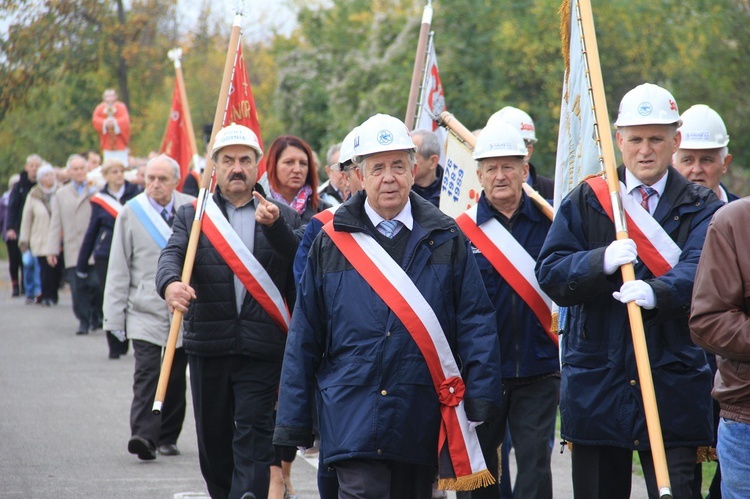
(241, 106)
(176, 143)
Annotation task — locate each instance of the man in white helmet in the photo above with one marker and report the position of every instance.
(703, 156)
(506, 231)
(522, 122)
(236, 315)
(390, 298)
(600, 399)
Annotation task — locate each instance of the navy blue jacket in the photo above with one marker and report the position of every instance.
(432, 192)
(98, 238)
(525, 348)
(601, 400)
(348, 349)
(16, 201)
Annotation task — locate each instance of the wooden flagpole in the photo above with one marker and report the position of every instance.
(195, 231)
(419, 62)
(604, 138)
(449, 121)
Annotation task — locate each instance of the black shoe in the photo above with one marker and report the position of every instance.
(114, 355)
(82, 330)
(168, 450)
(96, 326)
(16, 291)
(142, 447)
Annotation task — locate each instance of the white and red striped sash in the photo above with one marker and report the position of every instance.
(243, 263)
(107, 203)
(326, 215)
(511, 261)
(391, 283)
(657, 250)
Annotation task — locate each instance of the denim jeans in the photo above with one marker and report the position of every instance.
(732, 449)
(31, 277)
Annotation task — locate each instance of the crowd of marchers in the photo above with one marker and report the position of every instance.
(410, 349)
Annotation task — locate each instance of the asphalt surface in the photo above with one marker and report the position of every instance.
(64, 418)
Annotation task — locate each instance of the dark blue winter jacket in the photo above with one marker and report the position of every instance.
(601, 401)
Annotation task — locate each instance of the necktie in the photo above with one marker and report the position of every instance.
(166, 217)
(646, 192)
(388, 228)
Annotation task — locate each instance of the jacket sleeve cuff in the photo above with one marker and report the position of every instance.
(163, 290)
(480, 410)
(293, 437)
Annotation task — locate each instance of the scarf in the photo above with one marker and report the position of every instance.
(299, 203)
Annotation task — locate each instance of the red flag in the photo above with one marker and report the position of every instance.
(176, 143)
(241, 105)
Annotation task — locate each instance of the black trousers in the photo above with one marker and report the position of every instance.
(166, 427)
(50, 277)
(15, 267)
(87, 302)
(383, 479)
(233, 401)
(605, 472)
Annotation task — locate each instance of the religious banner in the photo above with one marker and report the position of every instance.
(176, 143)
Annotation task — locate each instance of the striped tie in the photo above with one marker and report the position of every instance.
(388, 228)
(646, 192)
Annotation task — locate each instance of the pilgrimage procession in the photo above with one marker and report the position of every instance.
(419, 313)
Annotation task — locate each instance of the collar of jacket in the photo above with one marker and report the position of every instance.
(485, 210)
(679, 191)
(220, 200)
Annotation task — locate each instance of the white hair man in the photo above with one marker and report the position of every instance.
(133, 307)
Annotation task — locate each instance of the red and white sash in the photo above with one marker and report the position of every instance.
(511, 261)
(108, 203)
(457, 440)
(326, 216)
(243, 263)
(657, 250)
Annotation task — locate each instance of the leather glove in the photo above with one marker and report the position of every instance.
(619, 253)
(120, 335)
(638, 291)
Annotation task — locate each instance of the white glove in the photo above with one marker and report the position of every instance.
(619, 253)
(473, 424)
(638, 291)
(120, 335)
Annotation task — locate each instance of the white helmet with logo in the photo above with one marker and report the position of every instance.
(346, 153)
(648, 104)
(499, 139)
(234, 134)
(519, 119)
(703, 128)
(381, 133)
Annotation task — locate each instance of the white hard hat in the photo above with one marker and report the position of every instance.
(499, 139)
(234, 134)
(346, 153)
(703, 128)
(519, 119)
(381, 133)
(648, 104)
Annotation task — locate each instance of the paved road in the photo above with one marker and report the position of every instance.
(64, 410)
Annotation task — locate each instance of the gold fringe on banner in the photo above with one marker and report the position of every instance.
(565, 9)
(555, 324)
(466, 483)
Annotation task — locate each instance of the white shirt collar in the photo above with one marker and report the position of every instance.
(632, 183)
(405, 216)
(724, 195)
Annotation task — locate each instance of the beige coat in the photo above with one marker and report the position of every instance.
(71, 214)
(35, 222)
(131, 302)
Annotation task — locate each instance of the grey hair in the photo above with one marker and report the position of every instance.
(163, 157)
(331, 151)
(73, 157)
(359, 161)
(33, 157)
(430, 143)
(723, 152)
